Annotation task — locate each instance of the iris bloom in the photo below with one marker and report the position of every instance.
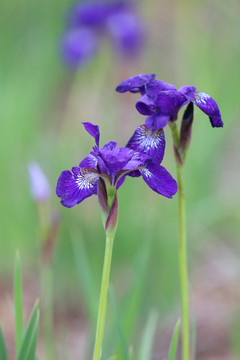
(104, 169)
(161, 101)
(90, 21)
(39, 185)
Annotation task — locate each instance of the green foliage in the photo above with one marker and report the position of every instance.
(3, 351)
(18, 304)
(26, 340)
(174, 342)
(146, 345)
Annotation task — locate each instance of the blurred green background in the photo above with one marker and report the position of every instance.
(42, 105)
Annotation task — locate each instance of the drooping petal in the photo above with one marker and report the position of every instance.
(73, 187)
(92, 130)
(149, 142)
(79, 46)
(158, 179)
(209, 107)
(135, 84)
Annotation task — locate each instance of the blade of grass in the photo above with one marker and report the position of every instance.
(28, 337)
(18, 304)
(3, 351)
(174, 342)
(33, 344)
(145, 350)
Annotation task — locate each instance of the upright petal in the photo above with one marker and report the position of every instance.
(209, 107)
(170, 101)
(154, 87)
(135, 84)
(73, 187)
(158, 179)
(92, 130)
(146, 106)
(149, 142)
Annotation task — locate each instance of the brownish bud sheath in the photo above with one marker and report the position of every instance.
(102, 196)
(186, 129)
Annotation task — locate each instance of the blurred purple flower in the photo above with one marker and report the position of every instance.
(161, 101)
(88, 22)
(79, 46)
(39, 185)
(111, 164)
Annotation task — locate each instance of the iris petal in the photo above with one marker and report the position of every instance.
(149, 142)
(158, 179)
(209, 107)
(92, 130)
(73, 187)
(135, 83)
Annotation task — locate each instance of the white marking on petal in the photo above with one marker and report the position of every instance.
(145, 171)
(148, 139)
(86, 179)
(201, 97)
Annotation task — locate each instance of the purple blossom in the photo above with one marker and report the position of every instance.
(161, 101)
(90, 21)
(111, 164)
(39, 185)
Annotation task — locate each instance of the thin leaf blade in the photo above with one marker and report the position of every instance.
(18, 303)
(28, 337)
(174, 342)
(148, 337)
(3, 350)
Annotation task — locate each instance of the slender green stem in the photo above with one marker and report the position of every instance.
(103, 298)
(183, 266)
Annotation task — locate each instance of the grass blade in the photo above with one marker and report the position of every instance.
(145, 350)
(28, 337)
(33, 344)
(174, 342)
(3, 351)
(18, 303)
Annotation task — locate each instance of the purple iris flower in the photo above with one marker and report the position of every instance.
(39, 185)
(111, 164)
(90, 21)
(161, 101)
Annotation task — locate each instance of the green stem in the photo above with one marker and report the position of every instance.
(182, 249)
(183, 266)
(103, 298)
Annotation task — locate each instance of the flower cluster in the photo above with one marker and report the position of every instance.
(90, 21)
(104, 170)
(161, 101)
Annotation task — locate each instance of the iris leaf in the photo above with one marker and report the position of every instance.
(174, 342)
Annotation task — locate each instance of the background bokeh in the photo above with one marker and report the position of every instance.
(42, 106)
